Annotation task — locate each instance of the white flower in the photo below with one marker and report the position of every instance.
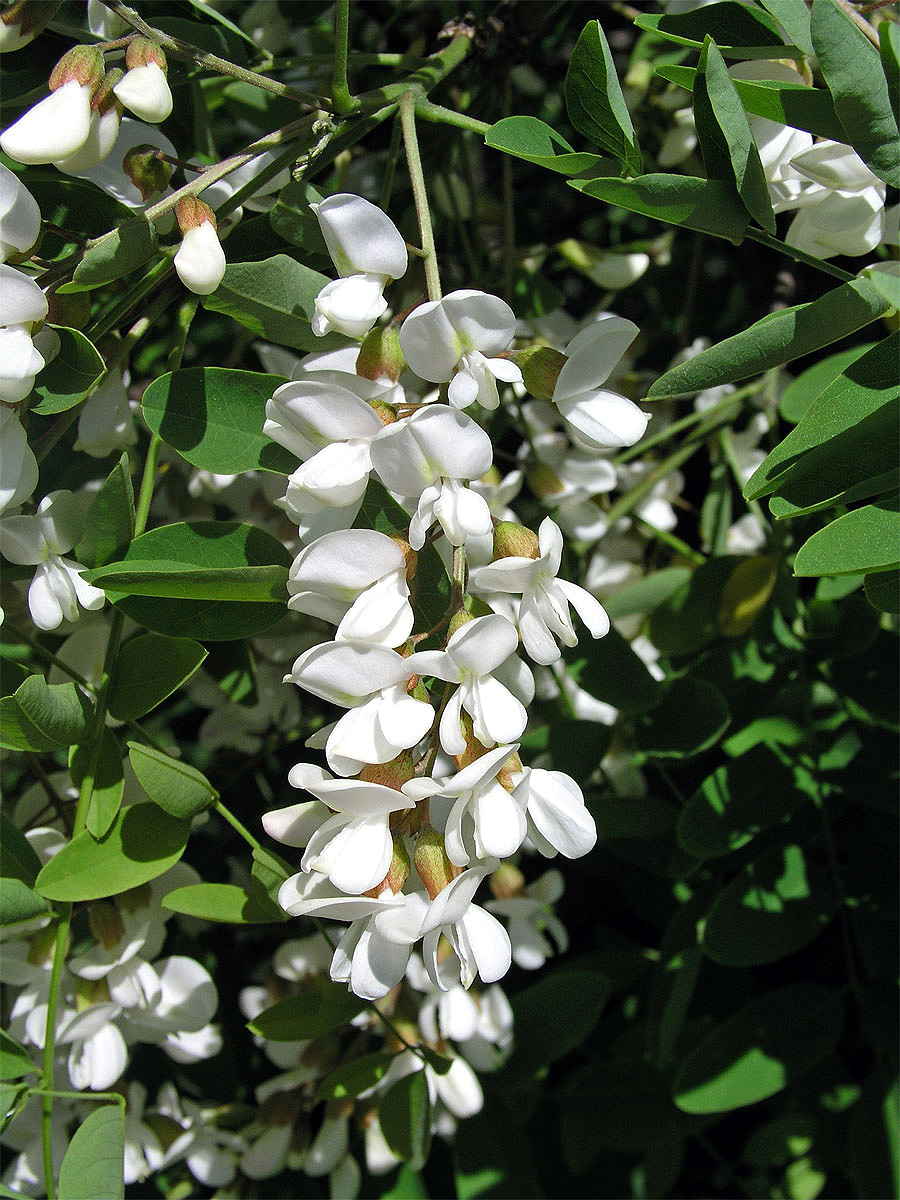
(20, 217)
(844, 213)
(18, 466)
(544, 608)
(355, 578)
(21, 300)
(41, 540)
(109, 174)
(457, 338)
(200, 259)
(97, 146)
(145, 90)
(598, 418)
(52, 129)
(473, 653)
(530, 915)
(106, 421)
(424, 457)
(350, 306)
(558, 819)
(479, 940)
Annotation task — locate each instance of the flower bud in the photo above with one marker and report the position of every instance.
(386, 413)
(141, 51)
(20, 23)
(398, 871)
(433, 866)
(106, 924)
(540, 366)
(84, 64)
(543, 481)
(506, 881)
(474, 748)
(511, 766)
(460, 617)
(512, 540)
(191, 212)
(380, 354)
(145, 90)
(146, 170)
(391, 774)
(53, 129)
(200, 260)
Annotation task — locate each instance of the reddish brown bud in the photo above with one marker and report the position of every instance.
(380, 354)
(84, 64)
(104, 99)
(411, 556)
(391, 774)
(386, 413)
(191, 212)
(142, 51)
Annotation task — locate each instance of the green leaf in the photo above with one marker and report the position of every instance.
(41, 716)
(886, 281)
(310, 1015)
(150, 668)
(776, 339)
(20, 860)
(214, 418)
(92, 1167)
(178, 788)
(495, 1153)
(405, 1118)
(610, 670)
(883, 590)
(867, 539)
(109, 780)
(801, 391)
(594, 99)
(761, 1049)
(223, 902)
(792, 104)
(293, 219)
(237, 585)
(746, 593)
(889, 41)
(736, 802)
(793, 17)
(729, 151)
(853, 72)
(115, 255)
(109, 525)
(738, 30)
(707, 205)
(576, 1000)
(648, 593)
(15, 1060)
(771, 909)
(691, 717)
(275, 299)
(18, 902)
(535, 142)
(69, 376)
(688, 619)
(408, 1185)
(205, 546)
(141, 844)
(355, 1076)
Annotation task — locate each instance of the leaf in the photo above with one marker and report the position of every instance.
(214, 418)
(293, 219)
(405, 1118)
(41, 716)
(646, 594)
(236, 585)
(109, 780)
(853, 72)
(883, 591)
(594, 99)
(115, 255)
(867, 539)
(707, 205)
(609, 669)
(109, 524)
(275, 299)
(18, 902)
(793, 17)
(691, 717)
(205, 546)
(801, 391)
(889, 41)
(141, 844)
(775, 340)
(576, 1000)
(729, 151)
(178, 788)
(747, 591)
(738, 30)
(737, 802)
(150, 668)
(792, 104)
(408, 1185)
(310, 1015)
(761, 1049)
(771, 909)
(15, 1060)
(20, 860)
(69, 376)
(688, 619)
(494, 1152)
(92, 1167)
(535, 142)
(885, 278)
(223, 902)
(355, 1076)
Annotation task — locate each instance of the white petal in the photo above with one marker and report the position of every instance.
(200, 259)
(145, 90)
(53, 128)
(360, 237)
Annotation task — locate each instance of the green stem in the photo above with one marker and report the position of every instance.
(774, 243)
(133, 297)
(625, 504)
(184, 50)
(671, 540)
(706, 420)
(340, 87)
(428, 111)
(59, 957)
(417, 179)
(725, 441)
(436, 68)
(236, 825)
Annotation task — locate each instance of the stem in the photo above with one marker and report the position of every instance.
(671, 540)
(236, 825)
(417, 179)
(131, 298)
(59, 956)
(708, 418)
(439, 115)
(774, 243)
(344, 102)
(185, 50)
(624, 505)
(725, 441)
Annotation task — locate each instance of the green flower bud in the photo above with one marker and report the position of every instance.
(147, 172)
(540, 366)
(512, 540)
(433, 866)
(84, 64)
(380, 354)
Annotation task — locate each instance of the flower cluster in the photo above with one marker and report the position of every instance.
(426, 795)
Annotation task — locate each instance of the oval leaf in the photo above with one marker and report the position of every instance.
(867, 539)
(535, 142)
(149, 668)
(41, 716)
(594, 99)
(92, 1167)
(178, 788)
(109, 780)
(707, 205)
(109, 524)
(310, 1015)
(115, 254)
(142, 843)
(222, 902)
(19, 903)
(355, 1077)
(405, 1118)
(15, 1060)
(69, 376)
(691, 717)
